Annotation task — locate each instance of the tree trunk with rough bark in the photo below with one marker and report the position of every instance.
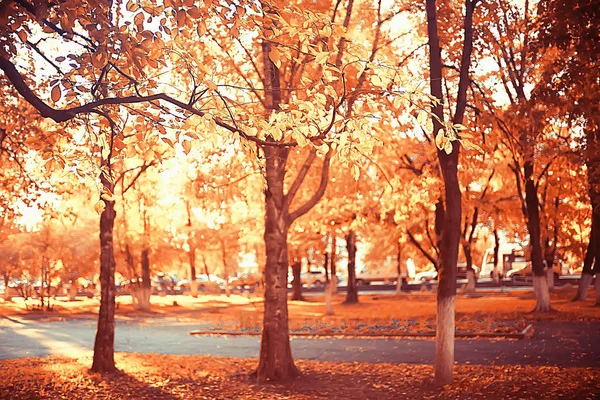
(193, 281)
(591, 263)
(104, 348)
(470, 288)
(399, 268)
(332, 263)
(297, 283)
(497, 273)
(144, 290)
(352, 292)
(276, 361)
(540, 281)
(450, 231)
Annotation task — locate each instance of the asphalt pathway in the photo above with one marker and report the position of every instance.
(565, 344)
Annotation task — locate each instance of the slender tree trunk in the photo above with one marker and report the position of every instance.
(7, 295)
(591, 263)
(450, 232)
(332, 263)
(193, 281)
(540, 281)
(470, 272)
(399, 268)
(144, 290)
(587, 274)
(497, 273)
(275, 361)
(352, 292)
(226, 269)
(104, 349)
(297, 283)
(325, 266)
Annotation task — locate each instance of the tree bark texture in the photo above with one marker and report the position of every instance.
(352, 292)
(276, 361)
(497, 273)
(399, 267)
(591, 265)
(297, 283)
(450, 231)
(104, 344)
(540, 281)
(332, 262)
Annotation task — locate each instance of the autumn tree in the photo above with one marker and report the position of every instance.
(570, 28)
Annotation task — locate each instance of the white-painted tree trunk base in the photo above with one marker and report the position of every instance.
(399, 286)
(496, 276)
(584, 286)
(328, 299)
(141, 299)
(333, 283)
(194, 288)
(470, 288)
(444, 341)
(550, 278)
(72, 291)
(542, 294)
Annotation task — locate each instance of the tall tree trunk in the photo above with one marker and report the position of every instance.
(104, 344)
(399, 279)
(325, 266)
(352, 292)
(193, 281)
(332, 263)
(450, 234)
(540, 281)
(297, 283)
(275, 361)
(7, 295)
(587, 274)
(497, 273)
(591, 263)
(470, 272)
(226, 269)
(144, 290)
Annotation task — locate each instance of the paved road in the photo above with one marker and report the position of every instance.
(554, 343)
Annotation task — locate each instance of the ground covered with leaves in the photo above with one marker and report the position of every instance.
(151, 376)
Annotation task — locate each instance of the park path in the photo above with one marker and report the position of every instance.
(565, 344)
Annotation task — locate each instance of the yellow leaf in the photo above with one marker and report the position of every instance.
(210, 85)
(201, 28)
(355, 172)
(440, 139)
(55, 94)
(421, 117)
(377, 81)
(321, 58)
(275, 57)
(107, 197)
(99, 206)
(187, 147)
(429, 125)
(448, 147)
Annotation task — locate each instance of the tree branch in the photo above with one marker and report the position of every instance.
(303, 209)
(299, 178)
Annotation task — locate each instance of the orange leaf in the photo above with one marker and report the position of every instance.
(55, 94)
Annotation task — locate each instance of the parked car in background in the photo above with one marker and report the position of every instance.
(386, 272)
(246, 281)
(212, 283)
(426, 276)
(526, 270)
(163, 283)
(461, 271)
